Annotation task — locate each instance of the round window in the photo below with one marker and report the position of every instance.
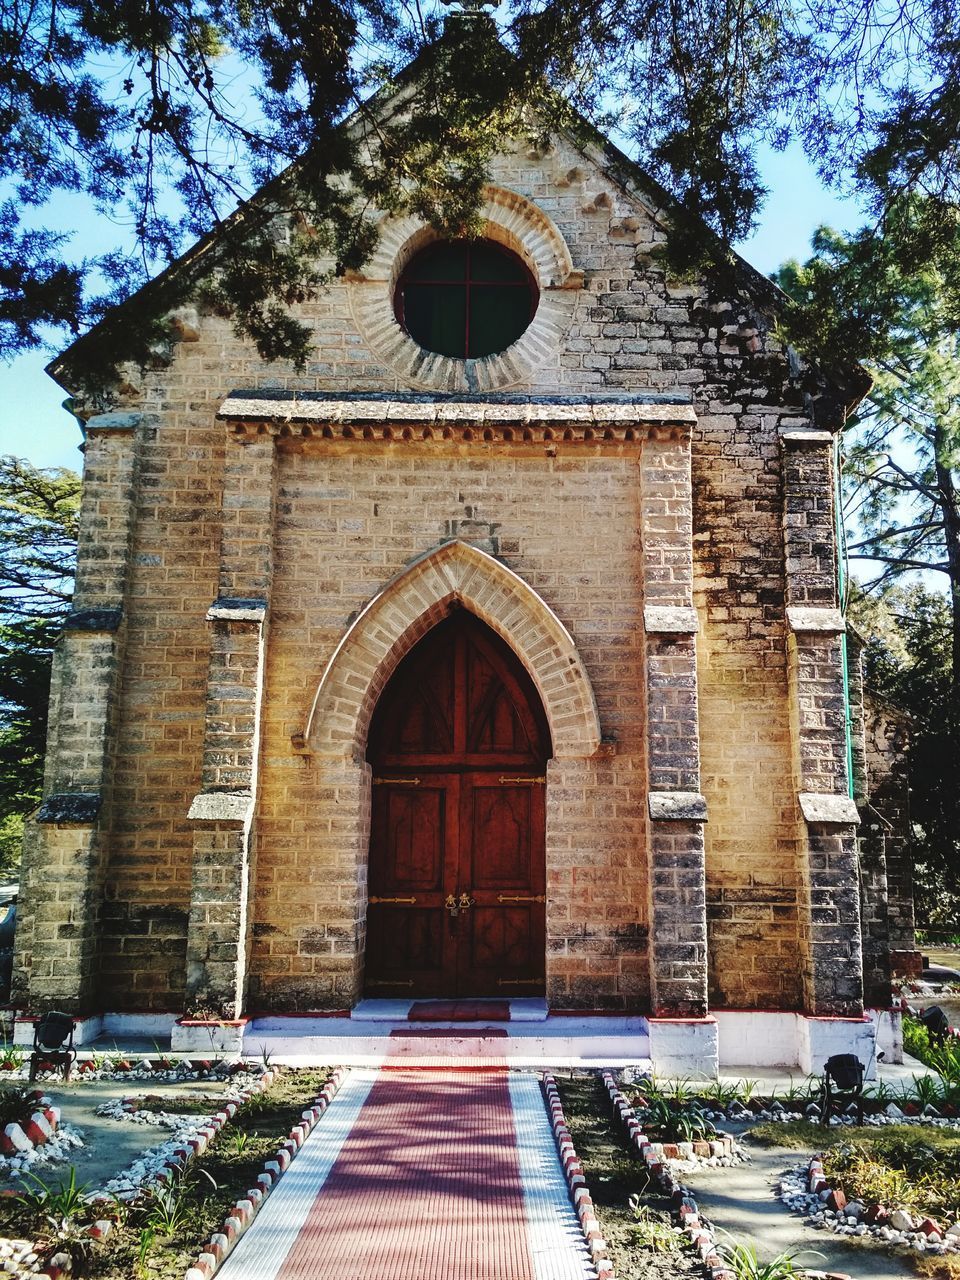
(465, 298)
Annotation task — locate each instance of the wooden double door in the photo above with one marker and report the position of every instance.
(458, 746)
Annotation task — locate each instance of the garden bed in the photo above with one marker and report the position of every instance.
(642, 1241)
(159, 1232)
(899, 1186)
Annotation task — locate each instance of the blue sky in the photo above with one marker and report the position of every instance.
(34, 425)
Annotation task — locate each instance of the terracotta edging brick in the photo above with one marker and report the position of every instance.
(685, 1207)
(16, 1139)
(576, 1182)
(222, 1242)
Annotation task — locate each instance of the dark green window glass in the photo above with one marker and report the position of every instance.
(465, 298)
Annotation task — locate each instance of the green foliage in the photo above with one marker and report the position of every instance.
(943, 1058)
(59, 1203)
(11, 836)
(746, 1264)
(172, 1207)
(173, 116)
(675, 1121)
(917, 1169)
(908, 660)
(39, 511)
(651, 1231)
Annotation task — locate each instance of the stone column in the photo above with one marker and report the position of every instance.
(677, 810)
(218, 932)
(833, 983)
(64, 845)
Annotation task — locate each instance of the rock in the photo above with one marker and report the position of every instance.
(900, 1220)
(836, 1199)
(930, 1228)
(876, 1215)
(893, 1111)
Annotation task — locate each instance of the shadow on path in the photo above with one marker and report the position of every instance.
(741, 1201)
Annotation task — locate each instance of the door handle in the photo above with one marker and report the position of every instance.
(452, 906)
(465, 902)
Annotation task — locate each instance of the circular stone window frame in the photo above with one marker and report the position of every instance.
(510, 220)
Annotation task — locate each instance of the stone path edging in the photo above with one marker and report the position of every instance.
(222, 1242)
(894, 1226)
(35, 1132)
(576, 1182)
(101, 1229)
(685, 1207)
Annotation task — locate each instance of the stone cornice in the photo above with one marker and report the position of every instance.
(513, 418)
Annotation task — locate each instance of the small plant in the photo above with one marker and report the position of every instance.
(144, 1247)
(59, 1204)
(12, 1056)
(720, 1092)
(798, 1092)
(680, 1091)
(239, 1141)
(747, 1088)
(674, 1123)
(743, 1260)
(928, 1091)
(266, 1056)
(651, 1232)
(170, 1211)
(879, 1093)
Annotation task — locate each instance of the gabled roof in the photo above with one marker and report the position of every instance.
(170, 287)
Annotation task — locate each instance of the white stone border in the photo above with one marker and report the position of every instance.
(577, 1182)
(221, 1243)
(685, 1206)
(824, 1204)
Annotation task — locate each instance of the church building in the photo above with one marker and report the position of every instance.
(497, 655)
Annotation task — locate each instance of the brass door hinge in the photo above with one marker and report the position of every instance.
(529, 782)
(396, 782)
(378, 900)
(521, 897)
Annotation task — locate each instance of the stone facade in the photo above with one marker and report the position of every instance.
(637, 497)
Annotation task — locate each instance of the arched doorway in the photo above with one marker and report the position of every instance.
(457, 880)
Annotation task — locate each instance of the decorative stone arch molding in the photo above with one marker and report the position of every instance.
(406, 609)
(513, 221)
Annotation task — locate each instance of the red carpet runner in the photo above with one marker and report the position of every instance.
(426, 1187)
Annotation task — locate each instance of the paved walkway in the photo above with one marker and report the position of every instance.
(741, 1201)
(421, 1175)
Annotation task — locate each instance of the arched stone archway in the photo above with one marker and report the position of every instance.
(414, 601)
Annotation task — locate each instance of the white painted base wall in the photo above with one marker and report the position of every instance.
(155, 1025)
(761, 1039)
(889, 1025)
(214, 1038)
(84, 1030)
(684, 1047)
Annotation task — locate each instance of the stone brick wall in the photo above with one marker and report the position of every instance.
(562, 513)
(351, 516)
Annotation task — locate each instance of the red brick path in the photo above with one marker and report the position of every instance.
(426, 1187)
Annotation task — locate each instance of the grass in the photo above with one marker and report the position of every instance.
(160, 1234)
(944, 1058)
(181, 1104)
(915, 1167)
